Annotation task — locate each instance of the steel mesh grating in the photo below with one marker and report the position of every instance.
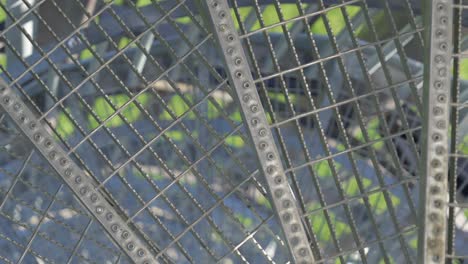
(457, 217)
(137, 95)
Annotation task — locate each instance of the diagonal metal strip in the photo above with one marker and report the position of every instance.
(219, 16)
(75, 178)
(437, 94)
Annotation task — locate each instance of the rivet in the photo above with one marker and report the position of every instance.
(78, 179)
(440, 6)
(441, 98)
(435, 189)
(441, 124)
(435, 163)
(125, 234)
(437, 230)
(246, 85)
(109, 216)
(442, 72)
(295, 228)
(286, 203)
(37, 137)
(215, 4)
(2, 89)
(130, 246)
(222, 14)
(278, 193)
(68, 172)
(443, 46)
(432, 243)
(246, 98)
(254, 108)
(16, 107)
(271, 169)
(436, 137)
(238, 61)
(115, 228)
(222, 27)
(84, 190)
(439, 176)
(436, 258)
(94, 197)
(278, 179)
(48, 143)
(141, 253)
(303, 252)
(294, 241)
(263, 145)
(437, 110)
(6, 100)
(440, 150)
(437, 203)
(254, 121)
(53, 155)
(230, 50)
(262, 132)
(63, 161)
(439, 59)
(439, 33)
(32, 125)
(438, 85)
(238, 74)
(270, 156)
(443, 20)
(99, 209)
(230, 37)
(286, 217)
(23, 118)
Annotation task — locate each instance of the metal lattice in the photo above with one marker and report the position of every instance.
(232, 131)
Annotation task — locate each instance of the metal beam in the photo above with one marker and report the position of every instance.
(82, 185)
(220, 19)
(436, 98)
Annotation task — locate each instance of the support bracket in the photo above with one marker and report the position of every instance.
(437, 96)
(218, 15)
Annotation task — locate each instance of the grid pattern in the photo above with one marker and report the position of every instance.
(457, 205)
(135, 94)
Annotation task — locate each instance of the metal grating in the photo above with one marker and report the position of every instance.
(457, 207)
(227, 131)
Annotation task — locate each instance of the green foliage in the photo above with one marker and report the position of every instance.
(321, 228)
(323, 170)
(3, 14)
(281, 98)
(351, 186)
(414, 243)
(464, 69)
(64, 125)
(270, 16)
(335, 19)
(246, 221)
(104, 110)
(463, 146)
(178, 107)
(378, 204)
(382, 261)
(262, 200)
(372, 132)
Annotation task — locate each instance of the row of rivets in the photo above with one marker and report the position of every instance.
(251, 105)
(438, 131)
(55, 155)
